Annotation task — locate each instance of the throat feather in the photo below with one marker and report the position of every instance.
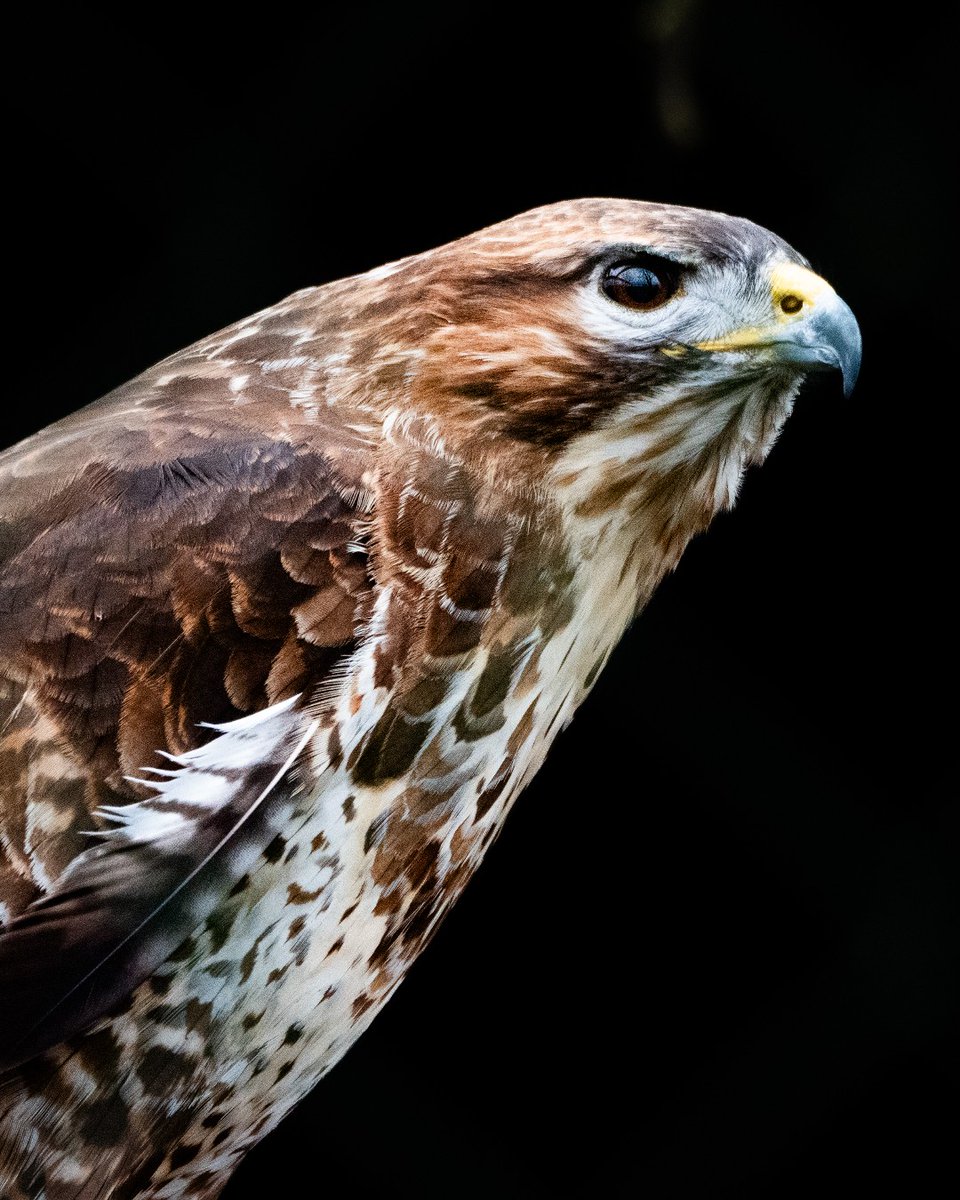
(662, 469)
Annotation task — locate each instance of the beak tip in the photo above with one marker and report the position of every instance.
(850, 371)
(851, 357)
(839, 335)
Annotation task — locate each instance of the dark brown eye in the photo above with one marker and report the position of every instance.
(639, 285)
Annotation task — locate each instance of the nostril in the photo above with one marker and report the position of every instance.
(791, 304)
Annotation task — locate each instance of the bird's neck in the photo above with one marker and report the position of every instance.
(641, 486)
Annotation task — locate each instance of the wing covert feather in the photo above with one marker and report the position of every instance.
(169, 561)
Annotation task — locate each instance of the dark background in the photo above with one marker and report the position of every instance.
(714, 951)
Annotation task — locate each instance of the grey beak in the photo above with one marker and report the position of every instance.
(827, 340)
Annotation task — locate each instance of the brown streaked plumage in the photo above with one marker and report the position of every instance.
(290, 619)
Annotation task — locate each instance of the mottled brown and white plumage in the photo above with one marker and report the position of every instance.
(289, 620)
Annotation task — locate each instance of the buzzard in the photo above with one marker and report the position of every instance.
(289, 621)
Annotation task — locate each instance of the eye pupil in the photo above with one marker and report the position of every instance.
(637, 285)
(791, 304)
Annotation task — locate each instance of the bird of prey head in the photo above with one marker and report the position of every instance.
(626, 339)
(290, 619)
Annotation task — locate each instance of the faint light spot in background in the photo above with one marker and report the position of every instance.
(668, 28)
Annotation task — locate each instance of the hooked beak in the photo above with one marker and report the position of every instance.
(812, 328)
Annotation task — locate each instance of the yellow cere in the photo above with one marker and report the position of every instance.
(794, 291)
(791, 280)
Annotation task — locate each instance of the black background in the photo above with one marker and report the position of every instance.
(714, 951)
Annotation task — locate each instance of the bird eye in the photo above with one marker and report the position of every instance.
(639, 285)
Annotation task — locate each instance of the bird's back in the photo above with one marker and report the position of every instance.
(205, 606)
